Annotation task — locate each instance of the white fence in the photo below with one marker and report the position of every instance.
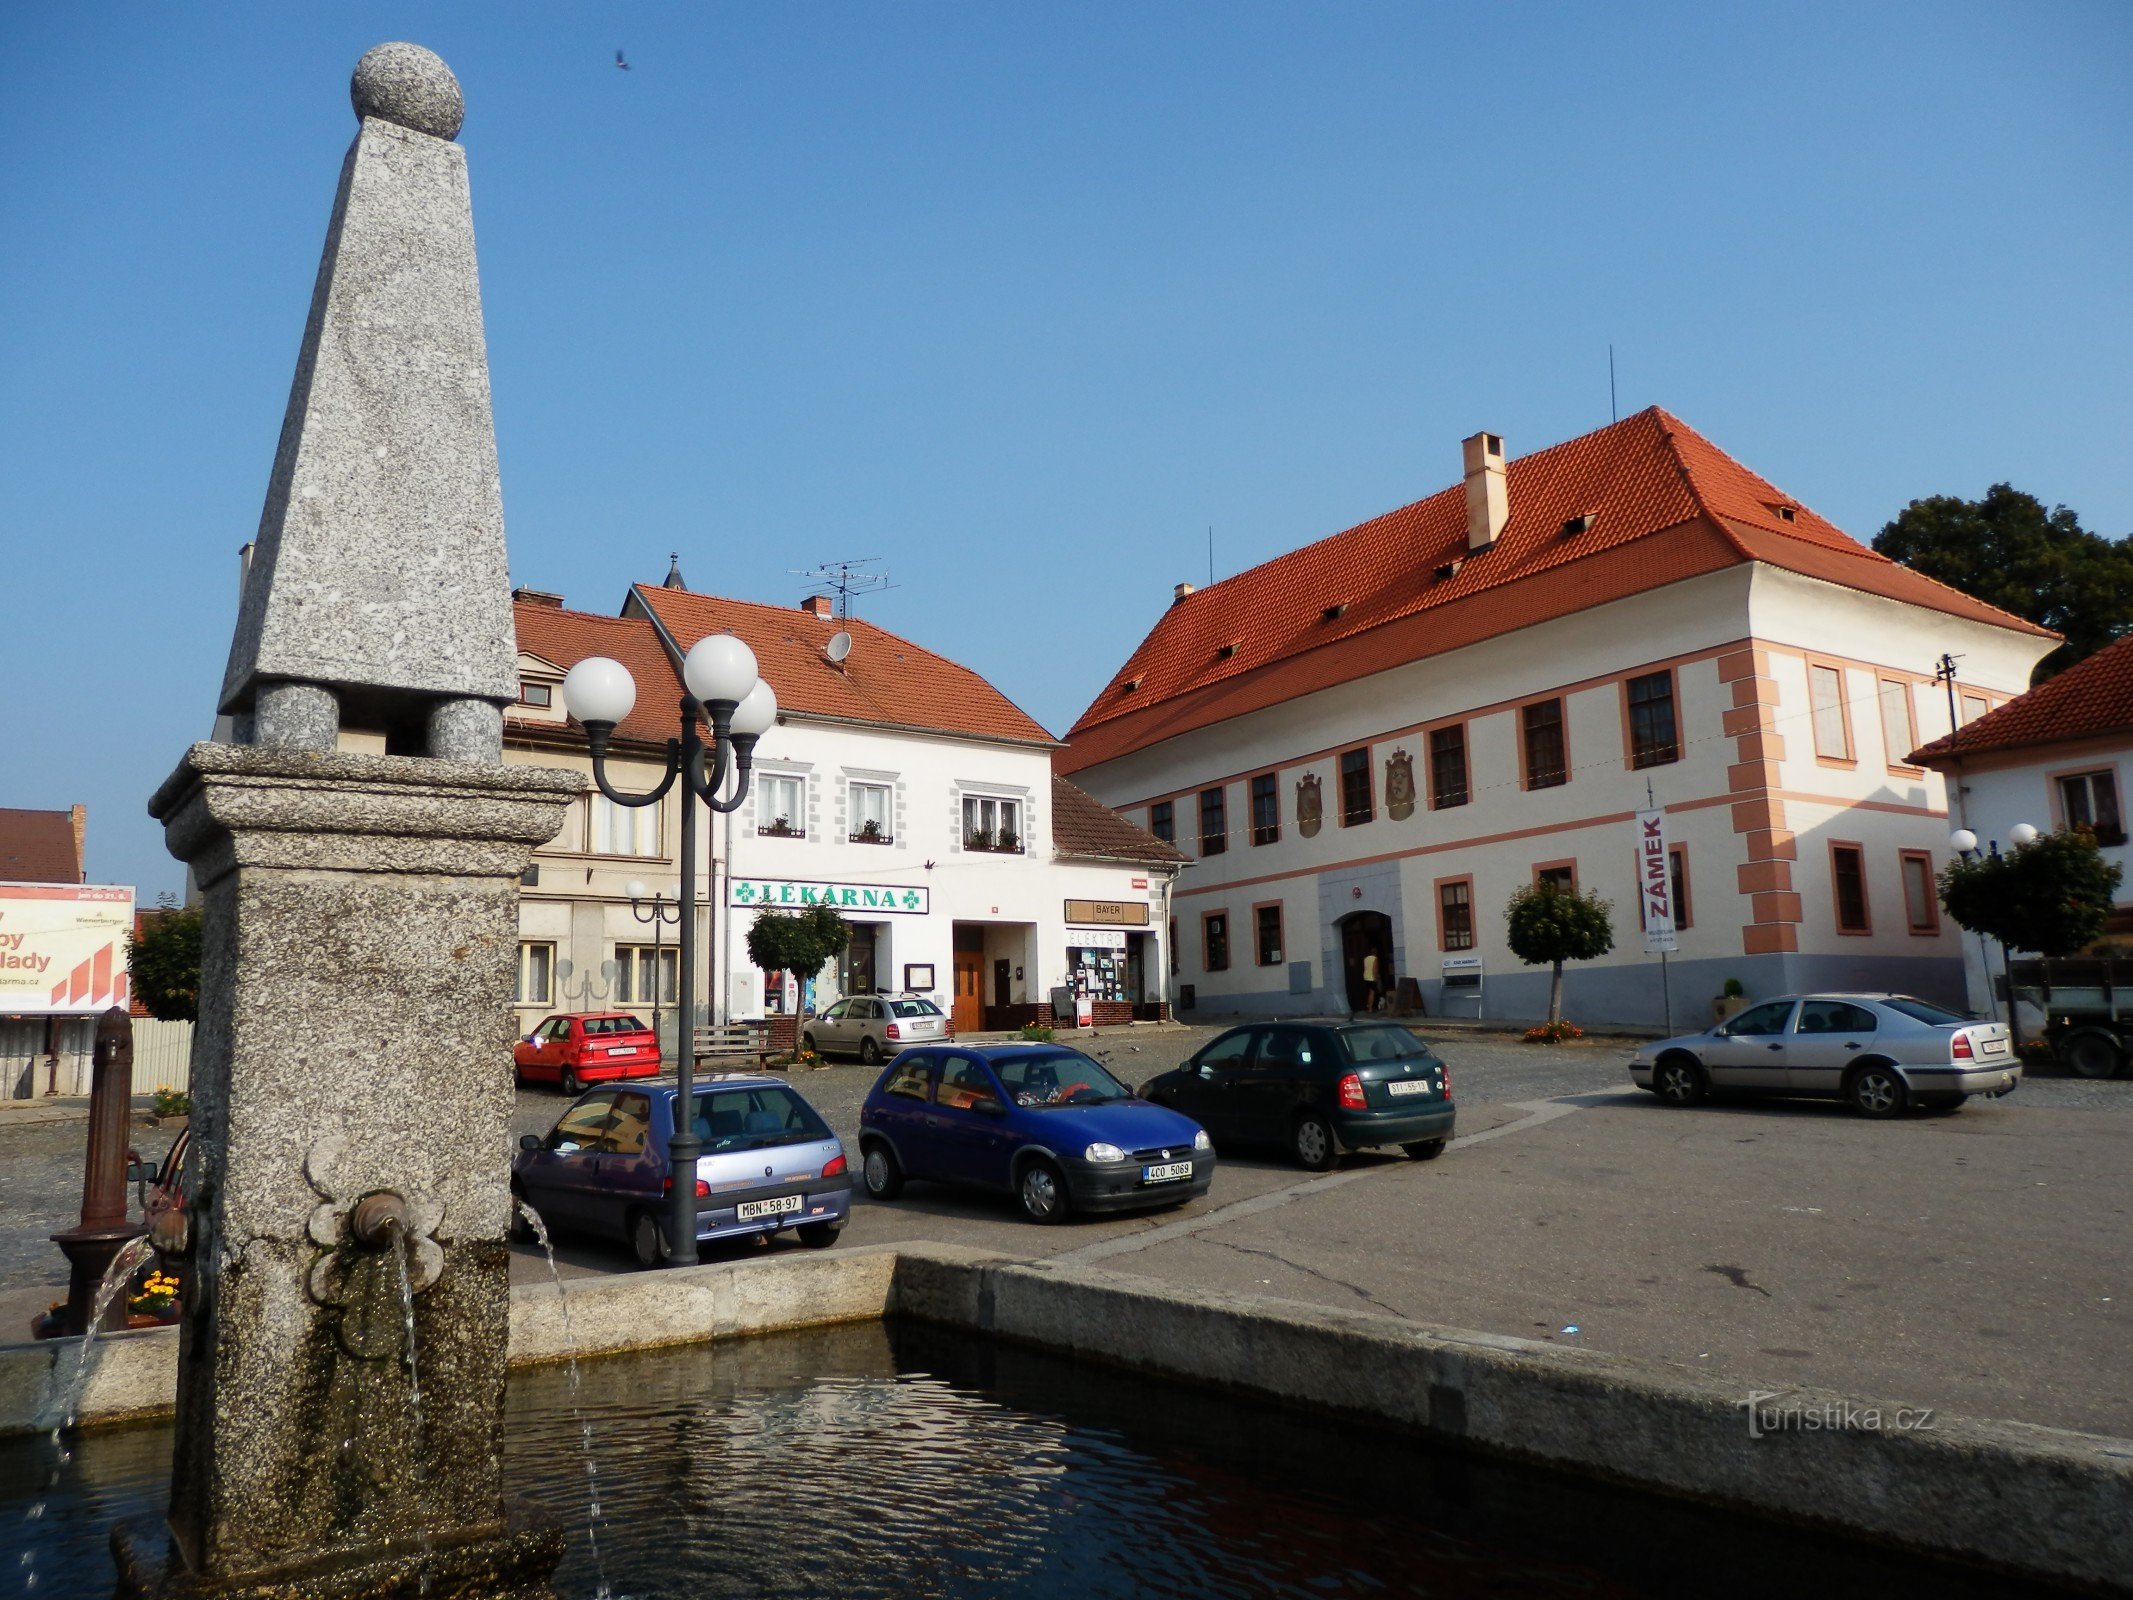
(162, 1054)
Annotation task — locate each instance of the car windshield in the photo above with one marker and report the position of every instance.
(1925, 1011)
(1042, 1080)
(755, 1119)
(1381, 1041)
(913, 1008)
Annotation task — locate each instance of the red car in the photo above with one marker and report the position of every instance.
(591, 1047)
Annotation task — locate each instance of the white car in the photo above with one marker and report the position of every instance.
(872, 1026)
(1879, 1053)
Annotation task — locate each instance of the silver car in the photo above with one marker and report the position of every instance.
(871, 1026)
(1880, 1053)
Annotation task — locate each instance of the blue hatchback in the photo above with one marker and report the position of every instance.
(1043, 1122)
(769, 1162)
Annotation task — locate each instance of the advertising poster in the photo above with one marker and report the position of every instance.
(63, 948)
(1655, 884)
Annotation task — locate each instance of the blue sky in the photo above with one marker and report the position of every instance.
(1022, 299)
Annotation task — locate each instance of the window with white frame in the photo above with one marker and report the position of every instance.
(647, 974)
(781, 805)
(991, 823)
(536, 975)
(624, 830)
(870, 813)
(2090, 800)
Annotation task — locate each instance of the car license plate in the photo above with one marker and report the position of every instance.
(1168, 1172)
(1408, 1086)
(621, 1049)
(749, 1210)
(1995, 1047)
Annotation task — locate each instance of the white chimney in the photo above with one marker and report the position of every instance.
(1488, 505)
(1180, 592)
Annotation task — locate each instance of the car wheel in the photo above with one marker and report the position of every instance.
(1043, 1193)
(2092, 1056)
(818, 1235)
(869, 1051)
(648, 1241)
(807, 1043)
(1427, 1150)
(1876, 1090)
(573, 1085)
(1679, 1082)
(1313, 1141)
(883, 1177)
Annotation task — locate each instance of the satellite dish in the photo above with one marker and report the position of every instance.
(839, 646)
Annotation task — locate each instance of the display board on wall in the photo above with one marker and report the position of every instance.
(63, 948)
(1109, 913)
(796, 894)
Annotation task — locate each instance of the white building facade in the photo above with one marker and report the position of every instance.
(1370, 743)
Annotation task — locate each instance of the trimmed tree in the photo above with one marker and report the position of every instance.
(163, 962)
(2052, 896)
(1549, 926)
(799, 942)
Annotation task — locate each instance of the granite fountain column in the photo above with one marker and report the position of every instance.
(346, 1312)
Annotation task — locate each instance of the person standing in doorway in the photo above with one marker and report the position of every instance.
(1370, 980)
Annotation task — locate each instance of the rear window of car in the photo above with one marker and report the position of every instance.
(755, 1119)
(1381, 1042)
(1926, 1012)
(913, 1008)
(605, 1025)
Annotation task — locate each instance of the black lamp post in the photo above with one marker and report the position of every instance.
(658, 914)
(1964, 843)
(720, 676)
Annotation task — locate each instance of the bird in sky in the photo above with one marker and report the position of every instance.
(624, 65)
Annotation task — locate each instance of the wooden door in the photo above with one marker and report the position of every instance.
(969, 1013)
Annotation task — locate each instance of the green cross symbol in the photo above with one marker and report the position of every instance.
(744, 892)
(910, 899)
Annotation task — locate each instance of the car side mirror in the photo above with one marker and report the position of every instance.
(1205, 1070)
(529, 1141)
(139, 1171)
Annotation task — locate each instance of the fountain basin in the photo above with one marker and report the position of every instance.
(2022, 1498)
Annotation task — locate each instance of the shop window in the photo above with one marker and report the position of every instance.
(647, 975)
(1847, 870)
(1266, 809)
(1653, 741)
(1163, 821)
(1921, 907)
(1547, 764)
(992, 824)
(870, 814)
(1833, 726)
(624, 830)
(1214, 941)
(1357, 804)
(1898, 732)
(2090, 800)
(1455, 914)
(1447, 766)
(1267, 921)
(536, 975)
(1214, 824)
(780, 805)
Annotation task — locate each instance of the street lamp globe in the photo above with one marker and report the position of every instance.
(757, 714)
(599, 690)
(719, 667)
(2020, 834)
(634, 888)
(1962, 841)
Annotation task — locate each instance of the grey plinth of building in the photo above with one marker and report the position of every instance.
(352, 1061)
(379, 573)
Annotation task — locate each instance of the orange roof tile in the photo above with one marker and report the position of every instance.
(886, 679)
(567, 637)
(1083, 825)
(38, 847)
(2090, 699)
(1666, 504)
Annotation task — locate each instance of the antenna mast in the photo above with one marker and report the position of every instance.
(845, 579)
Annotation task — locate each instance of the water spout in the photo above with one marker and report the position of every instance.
(532, 1219)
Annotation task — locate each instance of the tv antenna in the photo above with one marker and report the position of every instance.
(845, 579)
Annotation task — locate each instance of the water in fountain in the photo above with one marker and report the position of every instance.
(539, 1229)
(398, 1251)
(132, 1256)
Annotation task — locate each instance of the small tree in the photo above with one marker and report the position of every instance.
(163, 960)
(798, 942)
(1551, 925)
(2052, 895)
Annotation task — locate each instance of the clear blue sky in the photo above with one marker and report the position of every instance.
(1023, 298)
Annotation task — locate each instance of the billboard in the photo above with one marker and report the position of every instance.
(63, 948)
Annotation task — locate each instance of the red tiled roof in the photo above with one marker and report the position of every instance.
(1083, 825)
(38, 847)
(567, 637)
(885, 679)
(2090, 699)
(1666, 505)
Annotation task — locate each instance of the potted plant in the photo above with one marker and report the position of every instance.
(171, 1108)
(870, 833)
(978, 839)
(1008, 840)
(779, 828)
(1732, 998)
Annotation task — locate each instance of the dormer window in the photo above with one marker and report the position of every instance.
(1333, 612)
(1573, 526)
(1224, 652)
(535, 694)
(1129, 686)
(1787, 514)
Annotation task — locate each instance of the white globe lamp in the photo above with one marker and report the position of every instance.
(634, 888)
(1962, 841)
(757, 714)
(599, 690)
(719, 667)
(2020, 834)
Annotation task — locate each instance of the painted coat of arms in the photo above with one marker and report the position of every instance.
(1400, 785)
(1308, 808)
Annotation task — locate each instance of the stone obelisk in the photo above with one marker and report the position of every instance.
(347, 1302)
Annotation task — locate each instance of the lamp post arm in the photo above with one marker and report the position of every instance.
(596, 735)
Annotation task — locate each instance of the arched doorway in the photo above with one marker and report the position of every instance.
(1365, 933)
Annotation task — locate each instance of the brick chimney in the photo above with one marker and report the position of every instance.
(1180, 592)
(79, 816)
(537, 597)
(1488, 506)
(817, 606)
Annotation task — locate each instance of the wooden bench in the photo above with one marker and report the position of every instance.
(725, 1044)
